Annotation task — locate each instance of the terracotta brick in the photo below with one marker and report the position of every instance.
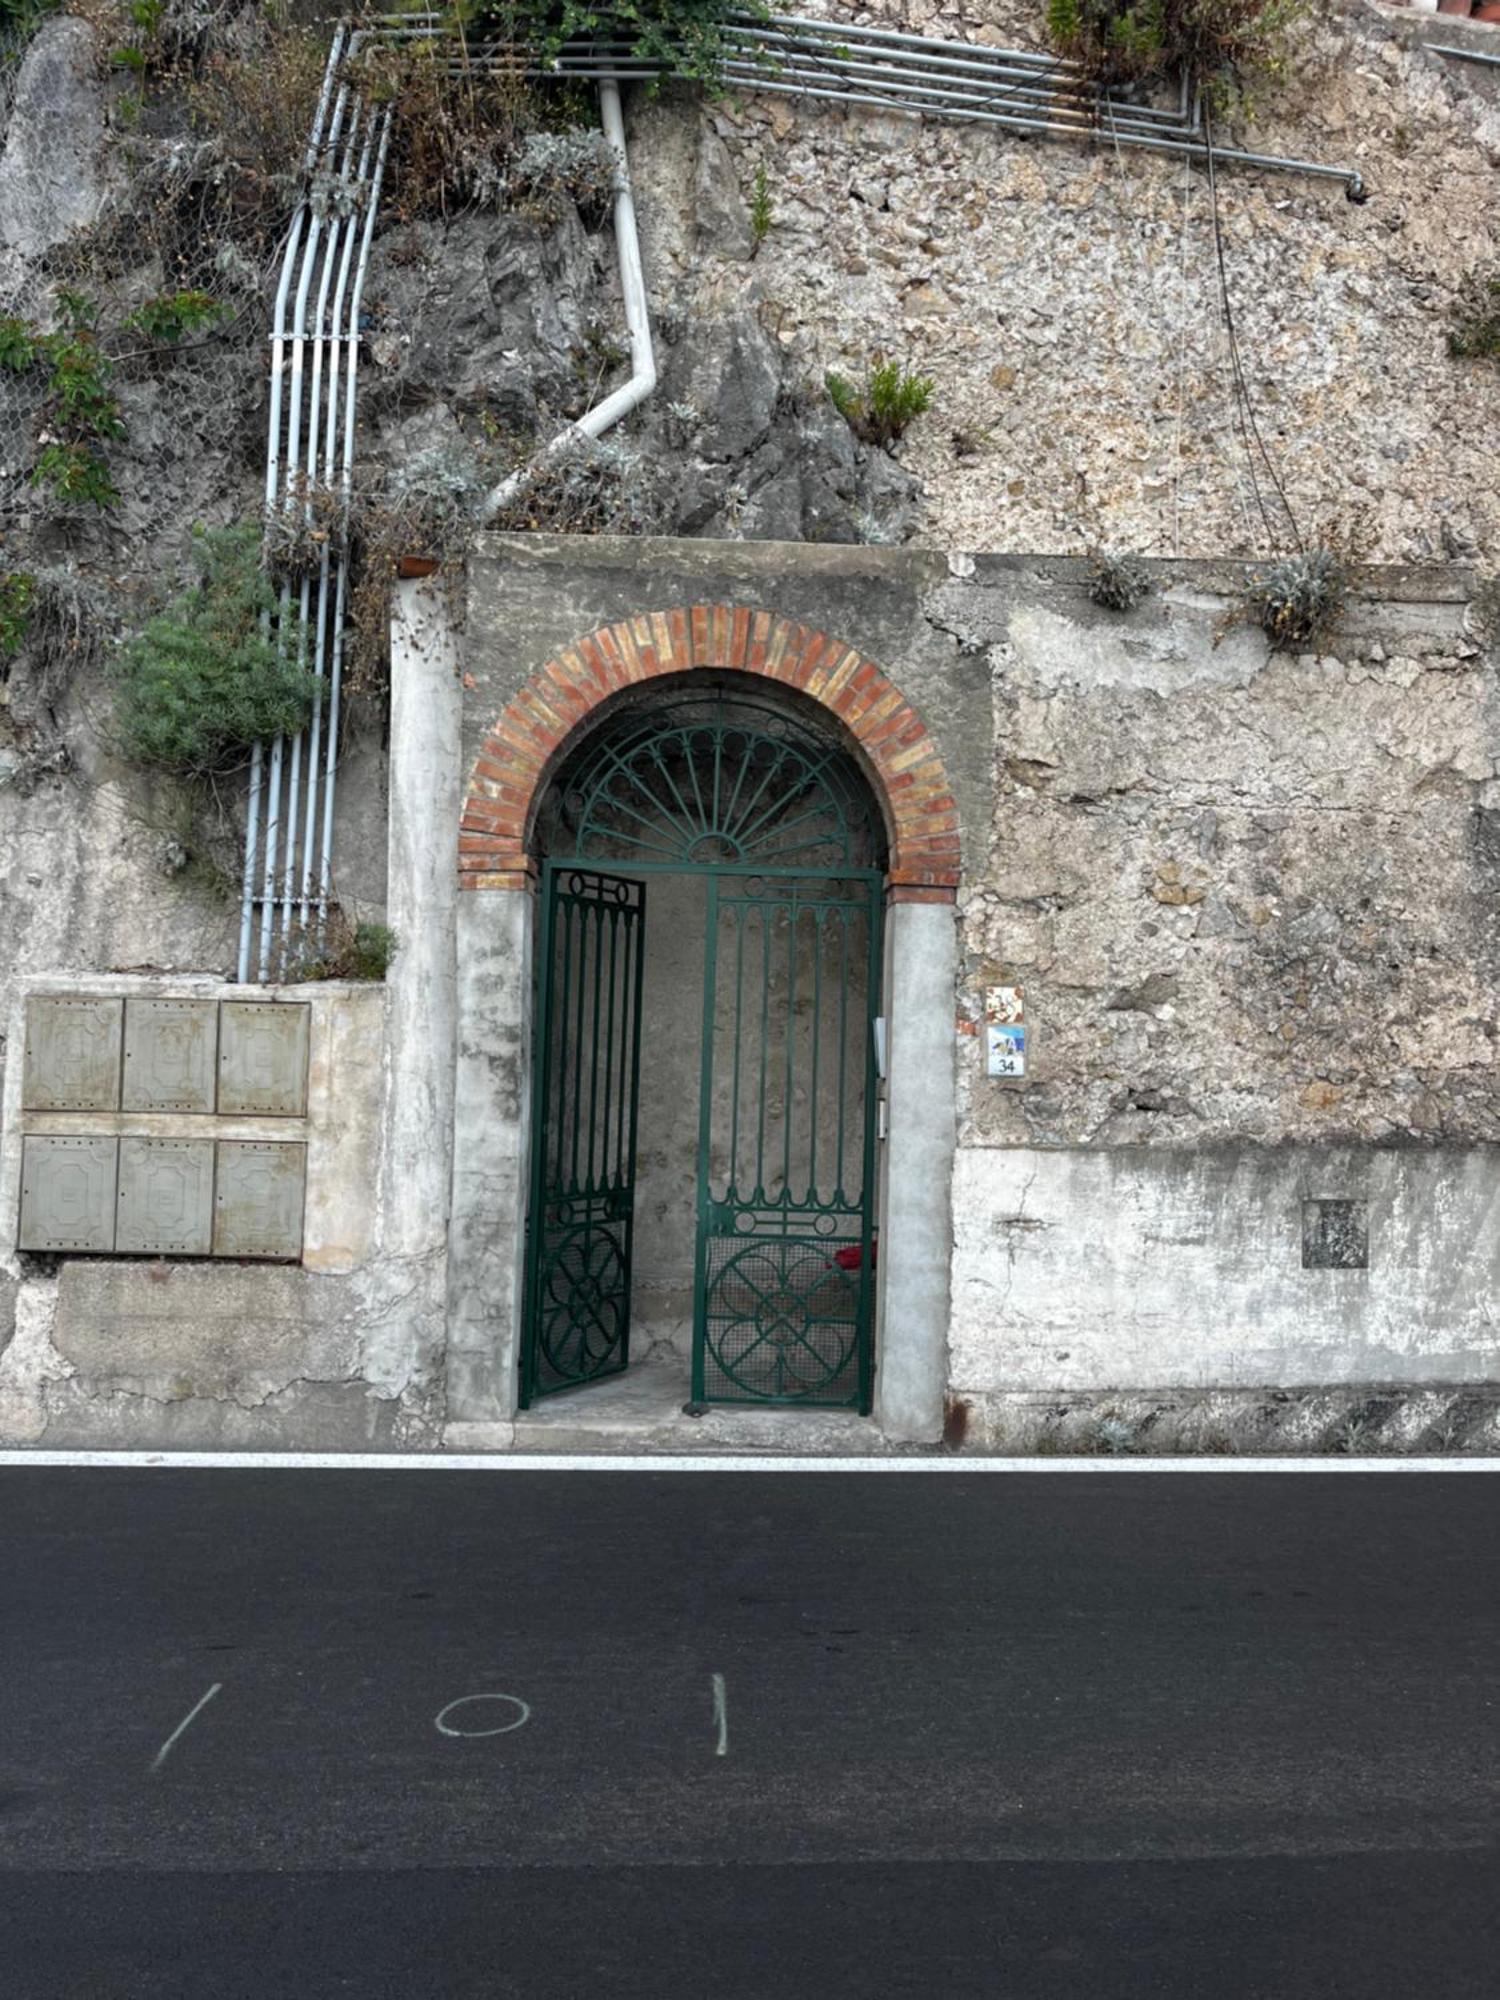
(719, 643)
(760, 639)
(913, 754)
(610, 653)
(662, 644)
(566, 694)
(920, 892)
(841, 676)
(629, 653)
(698, 618)
(778, 641)
(739, 635)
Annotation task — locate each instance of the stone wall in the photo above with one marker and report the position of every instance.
(1066, 300)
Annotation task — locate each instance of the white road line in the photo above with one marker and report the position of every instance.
(444, 1727)
(161, 1756)
(557, 1461)
(721, 1716)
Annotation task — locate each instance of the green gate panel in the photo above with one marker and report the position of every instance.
(166, 1205)
(580, 1226)
(258, 1198)
(170, 1050)
(72, 1060)
(786, 1240)
(68, 1189)
(263, 1058)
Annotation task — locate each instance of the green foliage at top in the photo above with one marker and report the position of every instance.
(205, 680)
(1474, 326)
(1223, 46)
(19, 17)
(685, 38)
(879, 409)
(80, 413)
(171, 315)
(17, 600)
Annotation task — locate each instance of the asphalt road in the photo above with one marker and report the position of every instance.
(748, 1735)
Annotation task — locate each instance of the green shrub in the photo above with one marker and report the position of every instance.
(879, 409)
(170, 315)
(1223, 46)
(684, 38)
(80, 412)
(19, 18)
(340, 949)
(17, 597)
(205, 680)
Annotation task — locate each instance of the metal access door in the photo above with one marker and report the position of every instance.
(786, 1170)
(581, 1218)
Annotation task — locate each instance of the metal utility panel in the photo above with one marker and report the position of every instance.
(263, 1058)
(170, 1046)
(258, 1198)
(68, 1194)
(72, 1054)
(166, 1205)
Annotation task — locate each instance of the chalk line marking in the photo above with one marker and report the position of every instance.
(445, 1728)
(557, 1461)
(721, 1716)
(193, 1713)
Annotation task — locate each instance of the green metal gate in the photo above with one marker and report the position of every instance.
(784, 1291)
(581, 1220)
(782, 828)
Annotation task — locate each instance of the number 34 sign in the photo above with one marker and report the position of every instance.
(1004, 1031)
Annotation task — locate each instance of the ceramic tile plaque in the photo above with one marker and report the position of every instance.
(170, 1051)
(258, 1198)
(166, 1198)
(263, 1058)
(72, 1058)
(68, 1194)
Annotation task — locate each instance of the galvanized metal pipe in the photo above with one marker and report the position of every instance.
(309, 476)
(346, 480)
(273, 462)
(593, 423)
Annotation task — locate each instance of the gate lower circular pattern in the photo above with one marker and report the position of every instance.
(782, 1320)
(582, 1322)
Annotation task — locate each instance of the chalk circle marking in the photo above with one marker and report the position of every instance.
(445, 1728)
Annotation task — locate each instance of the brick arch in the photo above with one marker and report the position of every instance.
(539, 723)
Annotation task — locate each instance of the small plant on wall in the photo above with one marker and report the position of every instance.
(1117, 582)
(880, 408)
(1298, 599)
(1474, 321)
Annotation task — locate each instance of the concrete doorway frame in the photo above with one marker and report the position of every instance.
(493, 949)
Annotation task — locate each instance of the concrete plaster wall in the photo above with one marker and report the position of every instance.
(1142, 1268)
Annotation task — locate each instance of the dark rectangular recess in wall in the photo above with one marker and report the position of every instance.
(1335, 1235)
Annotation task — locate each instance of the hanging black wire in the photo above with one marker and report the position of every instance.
(1249, 429)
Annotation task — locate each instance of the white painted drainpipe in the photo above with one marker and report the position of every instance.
(620, 402)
